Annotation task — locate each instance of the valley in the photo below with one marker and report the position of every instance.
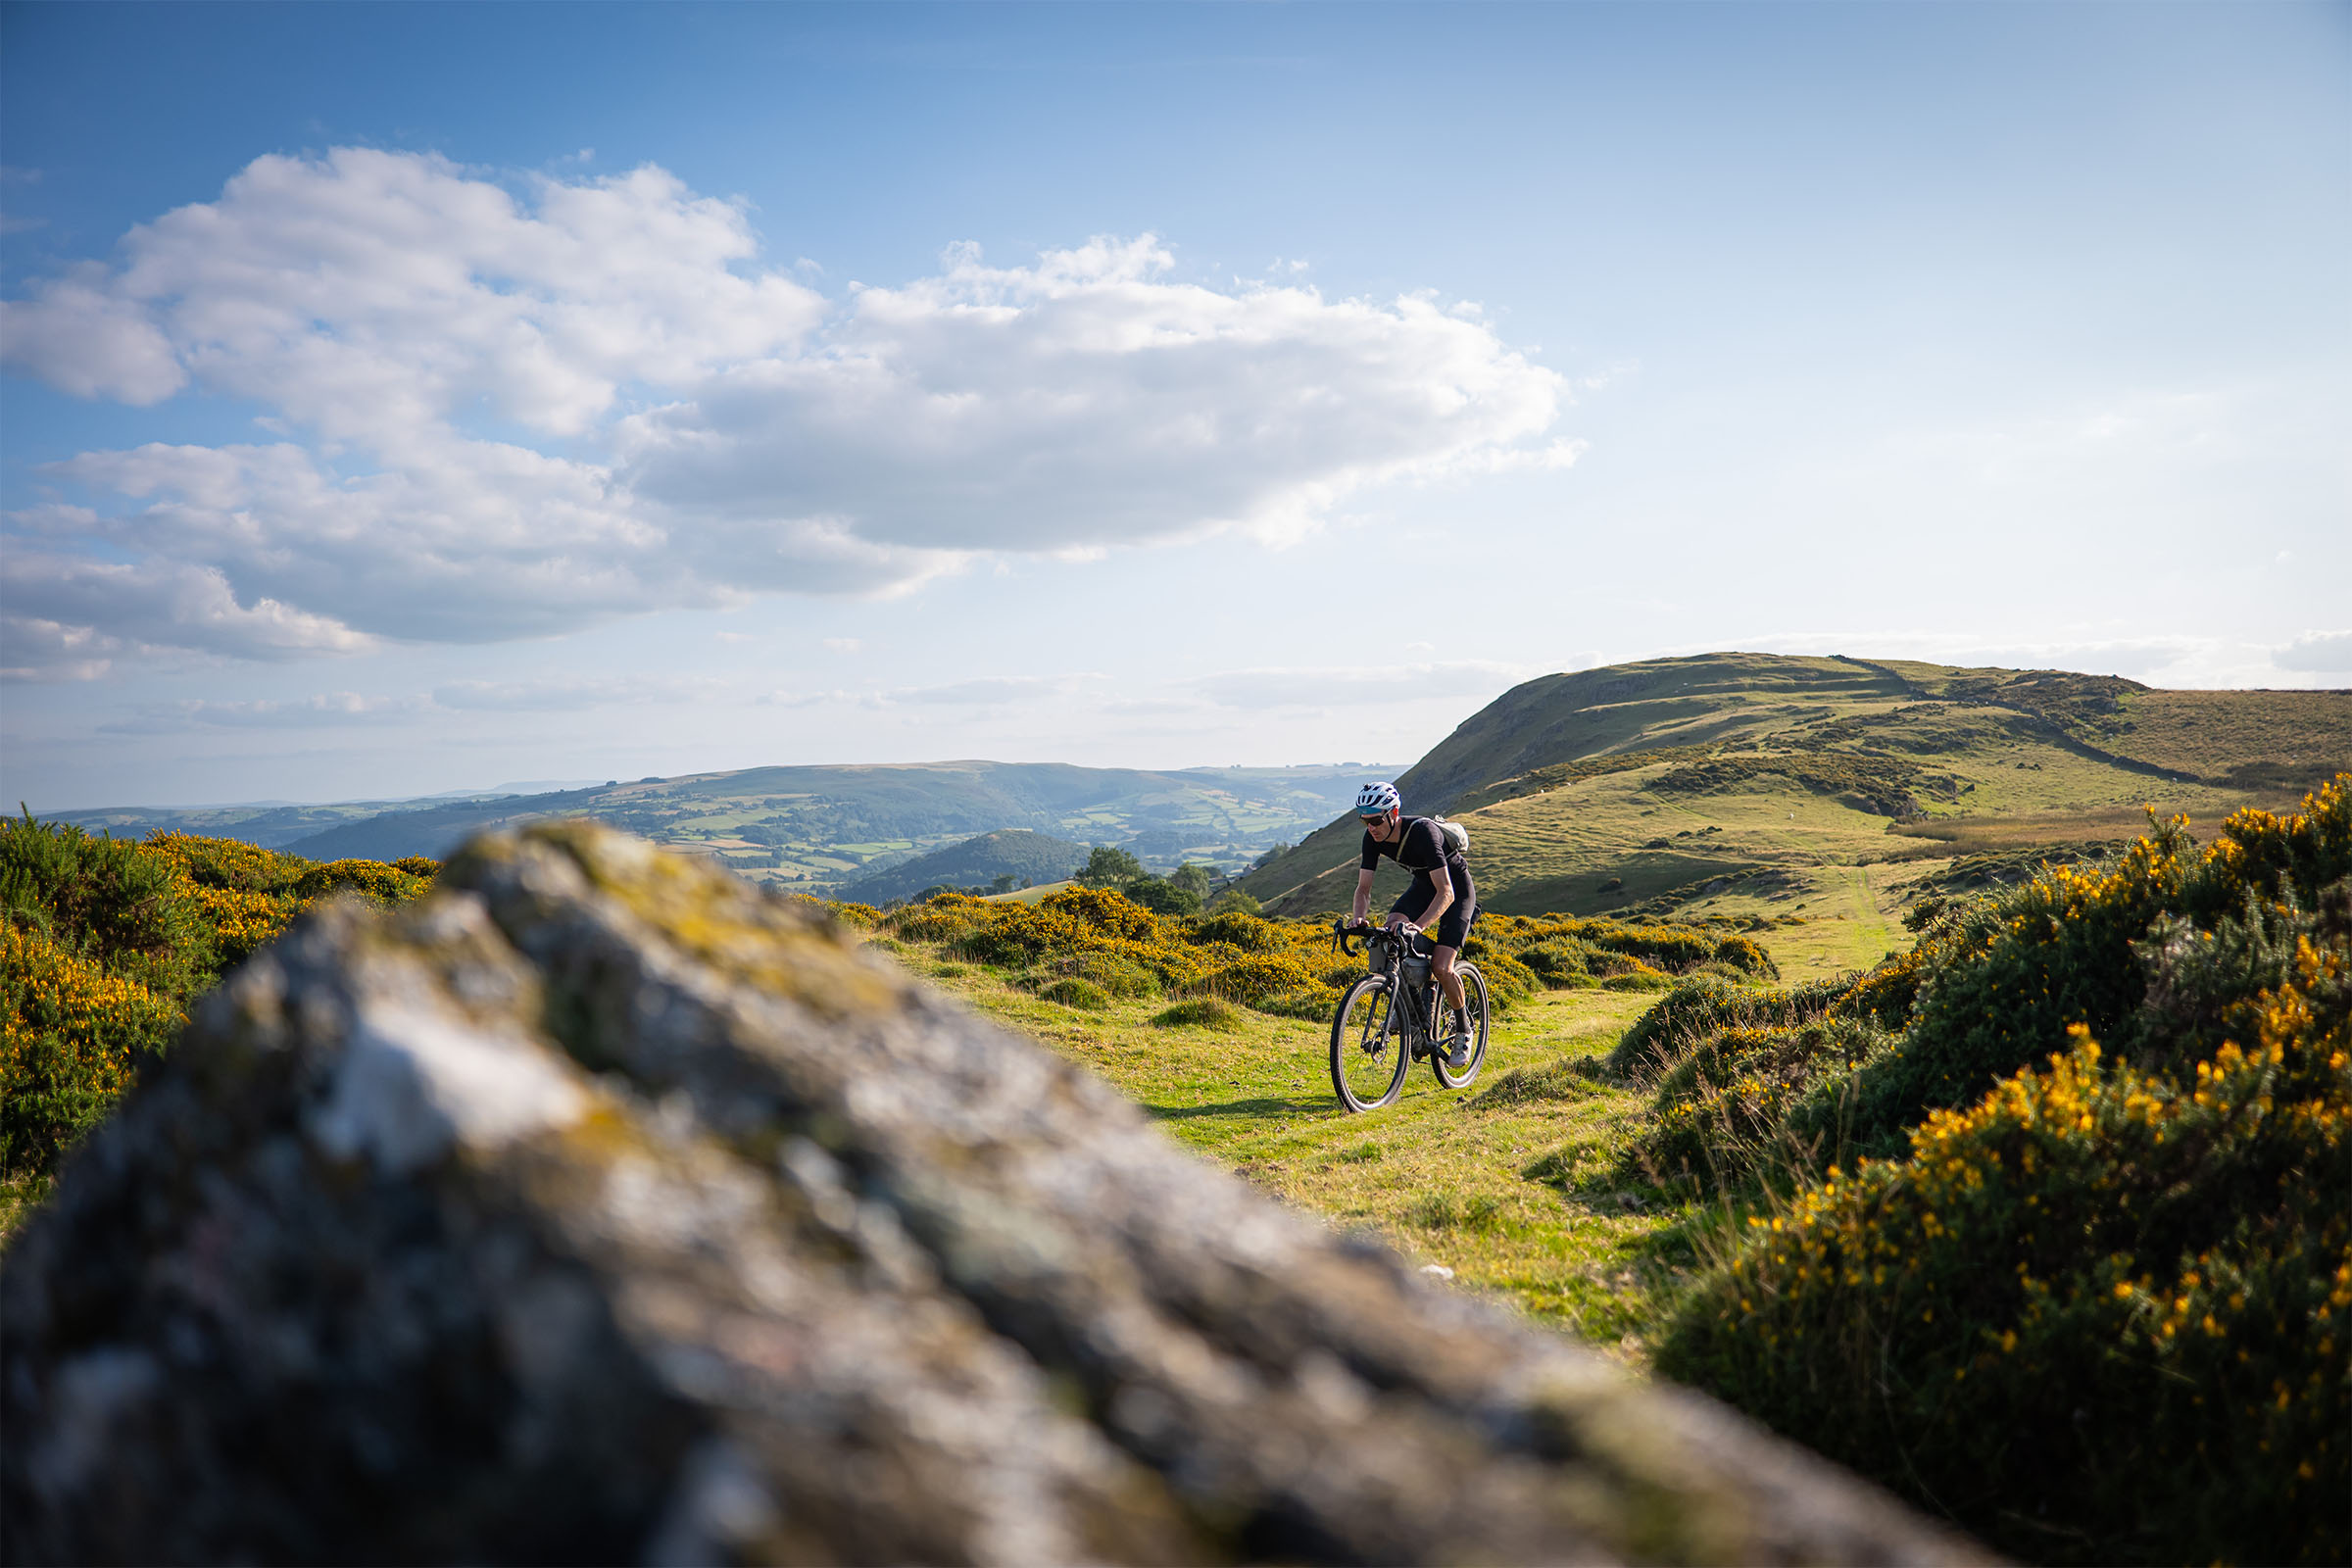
(821, 828)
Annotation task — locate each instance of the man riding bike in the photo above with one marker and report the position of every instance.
(1441, 891)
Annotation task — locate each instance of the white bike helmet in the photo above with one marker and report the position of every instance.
(1377, 800)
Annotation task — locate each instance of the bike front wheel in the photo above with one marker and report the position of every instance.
(1474, 999)
(1368, 1054)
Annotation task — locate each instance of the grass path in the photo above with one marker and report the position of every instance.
(1514, 1194)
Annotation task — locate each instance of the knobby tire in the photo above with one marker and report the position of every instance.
(1367, 1079)
(1474, 994)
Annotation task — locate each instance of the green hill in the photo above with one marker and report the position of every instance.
(1831, 789)
(1028, 857)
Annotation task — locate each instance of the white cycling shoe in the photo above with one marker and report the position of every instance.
(1460, 1056)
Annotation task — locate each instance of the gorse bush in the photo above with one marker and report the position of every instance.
(2099, 1317)
(2002, 979)
(73, 1037)
(1708, 1003)
(2096, 1303)
(106, 942)
(1722, 1109)
(1284, 967)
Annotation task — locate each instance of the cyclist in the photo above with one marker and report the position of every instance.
(1441, 891)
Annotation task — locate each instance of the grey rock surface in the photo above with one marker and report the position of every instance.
(600, 1207)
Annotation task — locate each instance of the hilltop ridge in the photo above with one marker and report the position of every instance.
(1764, 784)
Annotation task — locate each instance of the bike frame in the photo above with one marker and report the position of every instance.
(1405, 1012)
(1420, 1001)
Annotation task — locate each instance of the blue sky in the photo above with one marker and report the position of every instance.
(412, 398)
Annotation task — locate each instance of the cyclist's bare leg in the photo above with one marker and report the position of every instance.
(1441, 965)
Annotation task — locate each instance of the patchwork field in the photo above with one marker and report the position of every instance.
(821, 828)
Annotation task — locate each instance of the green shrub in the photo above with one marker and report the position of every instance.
(1234, 900)
(1257, 977)
(1071, 992)
(102, 899)
(2101, 1316)
(73, 1038)
(1508, 981)
(2006, 976)
(106, 942)
(941, 918)
(2103, 1312)
(1747, 956)
(1200, 1012)
(372, 880)
(1164, 897)
(1107, 972)
(1562, 964)
(1103, 909)
(1721, 1115)
(1238, 928)
(1568, 1078)
(1707, 1004)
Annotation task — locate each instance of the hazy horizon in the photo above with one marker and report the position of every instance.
(399, 396)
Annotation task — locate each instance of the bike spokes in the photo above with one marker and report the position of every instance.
(1368, 1052)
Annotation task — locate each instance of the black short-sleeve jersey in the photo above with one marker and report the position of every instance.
(1422, 849)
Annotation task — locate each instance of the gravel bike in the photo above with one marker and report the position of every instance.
(1395, 1015)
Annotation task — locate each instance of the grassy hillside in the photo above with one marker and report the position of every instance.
(823, 828)
(1029, 859)
(1835, 789)
(2091, 1304)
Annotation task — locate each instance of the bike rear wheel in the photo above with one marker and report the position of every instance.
(1368, 1056)
(1474, 997)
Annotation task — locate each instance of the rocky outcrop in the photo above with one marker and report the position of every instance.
(601, 1208)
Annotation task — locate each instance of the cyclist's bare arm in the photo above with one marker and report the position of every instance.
(1363, 896)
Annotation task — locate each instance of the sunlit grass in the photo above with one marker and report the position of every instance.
(1512, 1195)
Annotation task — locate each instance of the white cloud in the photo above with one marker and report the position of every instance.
(120, 607)
(2327, 652)
(569, 696)
(329, 708)
(513, 411)
(79, 333)
(34, 648)
(1088, 401)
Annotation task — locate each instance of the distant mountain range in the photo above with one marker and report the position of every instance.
(1029, 859)
(824, 827)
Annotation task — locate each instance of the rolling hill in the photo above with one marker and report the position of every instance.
(1028, 857)
(1831, 788)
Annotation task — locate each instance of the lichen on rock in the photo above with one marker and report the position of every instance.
(604, 1208)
